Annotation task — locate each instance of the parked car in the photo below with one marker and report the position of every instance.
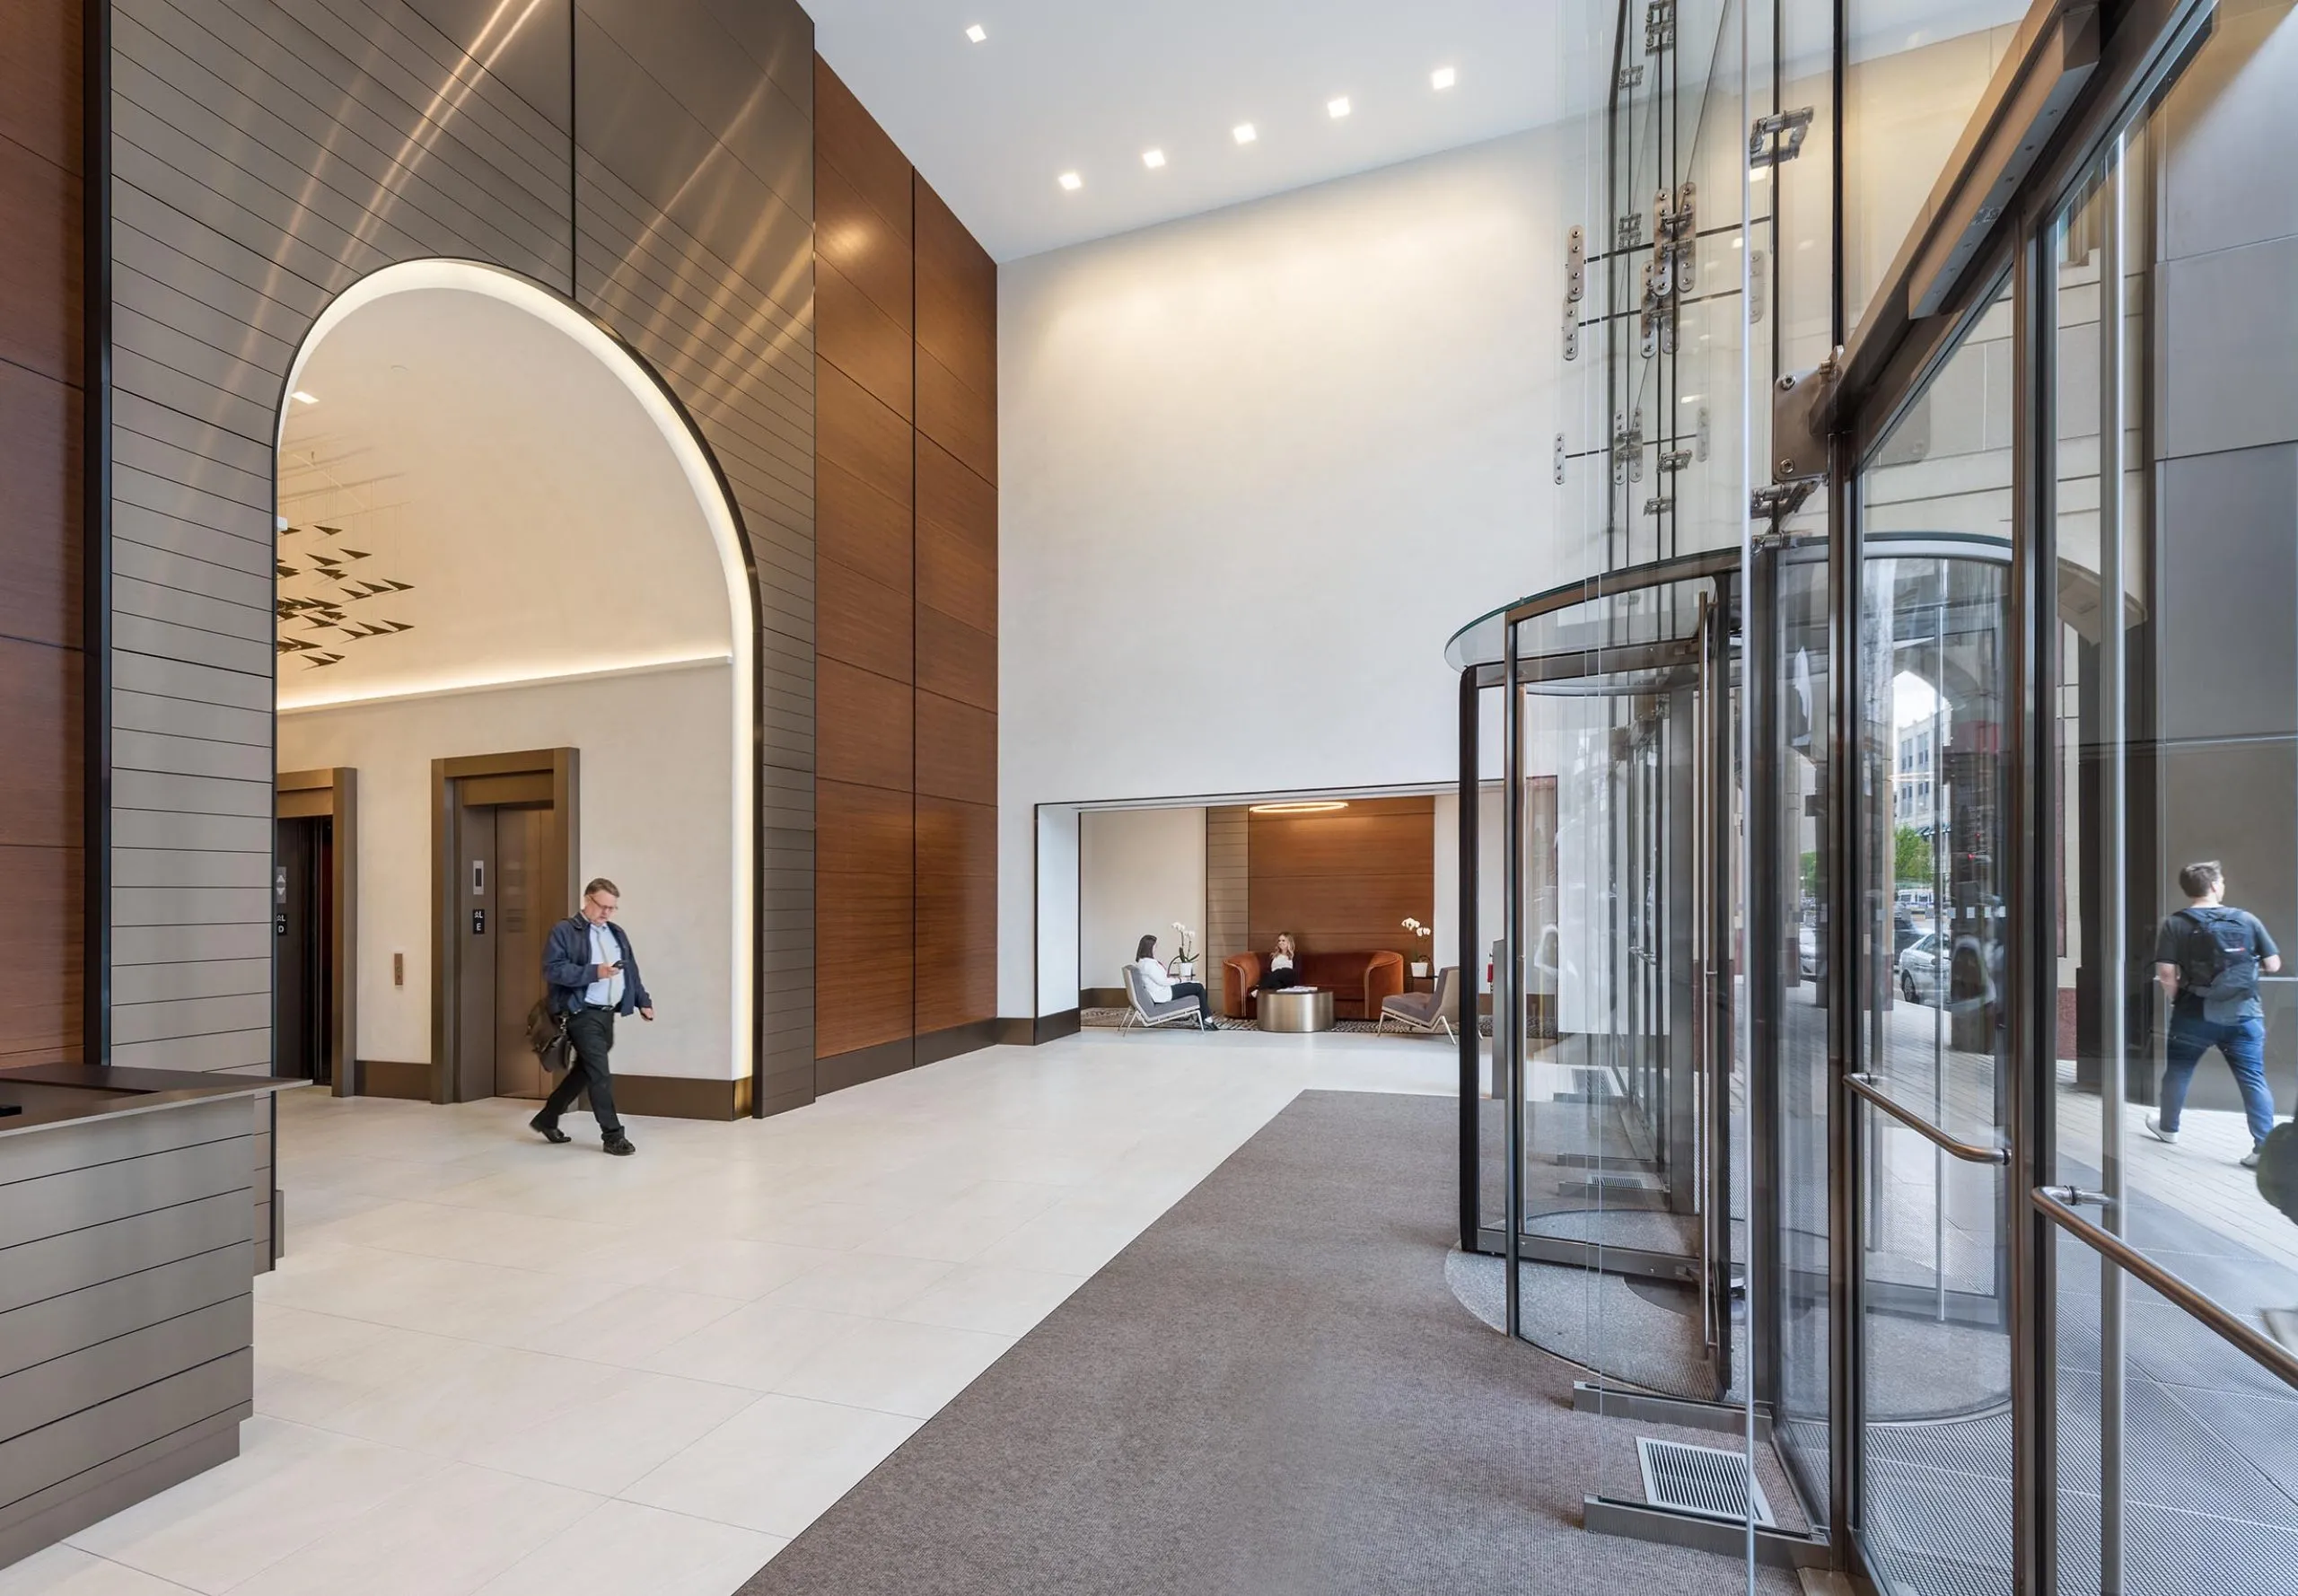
(1918, 970)
(1904, 931)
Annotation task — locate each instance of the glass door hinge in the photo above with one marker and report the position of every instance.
(1777, 138)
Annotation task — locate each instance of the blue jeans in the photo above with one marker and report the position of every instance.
(2244, 1042)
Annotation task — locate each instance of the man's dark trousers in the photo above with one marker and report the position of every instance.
(590, 1032)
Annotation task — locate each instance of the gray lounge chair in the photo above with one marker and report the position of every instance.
(1424, 1012)
(1148, 1013)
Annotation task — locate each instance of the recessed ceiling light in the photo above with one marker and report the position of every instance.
(1337, 108)
(1443, 77)
(1311, 807)
(1072, 182)
(1152, 159)
(301, 398)
(976, 32)
(1243, 133)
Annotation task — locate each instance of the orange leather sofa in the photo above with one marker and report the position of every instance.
(1358, 981)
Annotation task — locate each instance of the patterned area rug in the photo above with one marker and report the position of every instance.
(1114, 1019)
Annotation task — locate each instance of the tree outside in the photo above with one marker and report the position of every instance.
(1911, 852)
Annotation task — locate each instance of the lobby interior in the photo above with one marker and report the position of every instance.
(1595, 522)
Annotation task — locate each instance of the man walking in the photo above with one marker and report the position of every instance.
(2208, 959)
(593, 976)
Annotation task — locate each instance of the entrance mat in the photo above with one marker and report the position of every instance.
(1271, 1392)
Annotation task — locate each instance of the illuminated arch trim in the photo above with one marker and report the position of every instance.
(711, 495)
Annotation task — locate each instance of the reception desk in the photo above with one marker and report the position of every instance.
(135, 1208)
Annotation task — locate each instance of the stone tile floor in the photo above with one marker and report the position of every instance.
(491, 1365)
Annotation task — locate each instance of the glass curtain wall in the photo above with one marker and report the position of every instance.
(1895, 1037)
(2173, 467)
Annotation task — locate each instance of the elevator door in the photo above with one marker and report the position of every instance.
(524, 916)
(507, 888)
(302, 943)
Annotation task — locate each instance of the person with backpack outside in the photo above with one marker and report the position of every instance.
(2208, 959)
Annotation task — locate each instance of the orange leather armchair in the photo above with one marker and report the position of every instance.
(1358, 981)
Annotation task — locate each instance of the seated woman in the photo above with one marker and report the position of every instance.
(1281, 972)
(1161, 987)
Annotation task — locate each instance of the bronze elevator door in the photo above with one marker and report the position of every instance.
(522, 901)
(507, 888)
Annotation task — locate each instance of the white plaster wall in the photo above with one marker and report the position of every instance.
(1491, 875)
(1057, 826)
(1139, 871)
(655, 768)
(1257, 465)
(1256, 468)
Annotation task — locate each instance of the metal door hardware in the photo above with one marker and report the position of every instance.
(1675, 459)
(1658, 316)
(1779, 501)
(1559, 459)
(1627, 232)
(1655, 506)
(1631, 77)
(1570, 329)
(1674, 237)
(1659, 26)
(1575, 264)
(1628, 449)
(1802, 418)
(1699, 434)
(1755, 287)
(1777, 138)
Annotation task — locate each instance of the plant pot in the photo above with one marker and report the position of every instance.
(1184, 970)
(1419, 969)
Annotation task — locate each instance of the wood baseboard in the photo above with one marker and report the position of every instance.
(1102, 997)
(659, 1097)
(1026, 1031)
(394, 1077)
(973, 1036)
(680, 1097)
(841, 1070)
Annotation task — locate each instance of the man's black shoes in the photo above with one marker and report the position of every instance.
(619, 1145)
(550, 1133)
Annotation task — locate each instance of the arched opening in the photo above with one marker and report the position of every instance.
(500, 534)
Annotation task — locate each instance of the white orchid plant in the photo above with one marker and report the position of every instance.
(1187, 954)
(1416, 928)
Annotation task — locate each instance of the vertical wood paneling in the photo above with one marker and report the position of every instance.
(908, 601)
(865, 880)
(696, 200)
(270, 152)
(1227, 890)
(956, 403)
(42, 669)
(1344, 882)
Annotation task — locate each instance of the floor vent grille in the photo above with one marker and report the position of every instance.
(1705, 1480)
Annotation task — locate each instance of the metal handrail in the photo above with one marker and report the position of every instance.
(1870, 1088)
(2263, 1349)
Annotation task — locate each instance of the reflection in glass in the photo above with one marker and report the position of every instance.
(2174, 474)
(1933, 895)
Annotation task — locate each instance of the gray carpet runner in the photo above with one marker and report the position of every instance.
(1271, 1392)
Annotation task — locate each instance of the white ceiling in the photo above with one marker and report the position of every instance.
(1088, 85)
(485, 457)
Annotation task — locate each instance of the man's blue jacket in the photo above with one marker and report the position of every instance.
(566, 967)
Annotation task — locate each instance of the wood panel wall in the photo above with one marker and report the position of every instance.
(42, 665)
(652, 158)
(906, 648)
(1344, 881)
